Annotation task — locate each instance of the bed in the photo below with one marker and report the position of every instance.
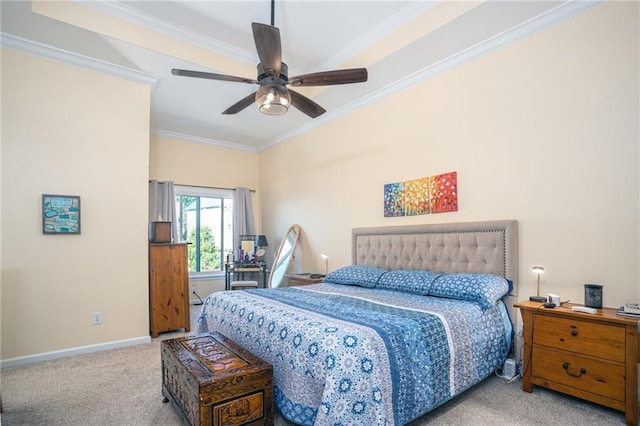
(420, 316)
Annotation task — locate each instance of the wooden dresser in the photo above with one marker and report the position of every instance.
(590, 356)
(168, 288)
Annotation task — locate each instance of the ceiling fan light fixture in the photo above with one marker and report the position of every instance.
(273, 99)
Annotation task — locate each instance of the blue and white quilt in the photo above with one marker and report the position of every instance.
(348, 354)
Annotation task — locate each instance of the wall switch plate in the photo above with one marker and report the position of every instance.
(96, 318)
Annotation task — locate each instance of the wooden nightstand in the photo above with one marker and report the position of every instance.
(301, 279)
(590, 356)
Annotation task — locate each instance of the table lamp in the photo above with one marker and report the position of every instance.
(325, 257)
(537, 298)
(261, 243)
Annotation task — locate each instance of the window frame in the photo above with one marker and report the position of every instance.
(201, 191)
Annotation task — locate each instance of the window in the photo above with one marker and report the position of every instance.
(205, 219)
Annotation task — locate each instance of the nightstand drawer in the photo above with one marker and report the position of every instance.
(586, 374)
(587, 338)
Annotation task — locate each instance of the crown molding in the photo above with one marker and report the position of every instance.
(198, 139)
(29, 46)
(122, 11)
(560, 13)
(552, 17)
(376, 34)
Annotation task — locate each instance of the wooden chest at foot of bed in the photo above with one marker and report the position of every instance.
(214, 381)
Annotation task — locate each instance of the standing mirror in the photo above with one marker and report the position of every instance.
(284, 256)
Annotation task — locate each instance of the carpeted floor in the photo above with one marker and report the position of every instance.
(122, 387)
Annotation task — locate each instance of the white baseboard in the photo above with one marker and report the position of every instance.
(46, 356)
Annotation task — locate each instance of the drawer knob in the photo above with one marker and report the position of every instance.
(574, 333)
(565, 365)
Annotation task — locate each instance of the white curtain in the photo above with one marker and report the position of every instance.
(162, 205)
(243, 223)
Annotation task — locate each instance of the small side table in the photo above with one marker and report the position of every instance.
(301, 279)
(233, 271)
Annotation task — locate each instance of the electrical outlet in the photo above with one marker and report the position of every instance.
(96, 318)
(193, 290)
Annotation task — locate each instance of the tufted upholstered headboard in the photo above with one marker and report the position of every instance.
(479, 247)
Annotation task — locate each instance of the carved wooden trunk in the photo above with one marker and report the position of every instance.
(214, 381)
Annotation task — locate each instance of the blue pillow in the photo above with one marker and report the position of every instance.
(418, 282)
(486, 289)
(364, 276)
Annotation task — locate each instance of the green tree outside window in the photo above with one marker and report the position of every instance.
(209, 252)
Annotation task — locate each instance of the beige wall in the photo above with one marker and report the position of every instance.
(67, 130)
(544, 131)
(199, 164)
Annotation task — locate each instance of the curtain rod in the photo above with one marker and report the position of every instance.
(209, 187)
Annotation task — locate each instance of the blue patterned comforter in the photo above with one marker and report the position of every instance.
(345, 355)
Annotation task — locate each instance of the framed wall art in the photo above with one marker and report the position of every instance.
(394, 199)
(433, 194)
(60, 214)
(444, 193)
(416, 195)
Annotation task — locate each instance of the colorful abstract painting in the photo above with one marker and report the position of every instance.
(435, 194)
(444, 193)
(416, 196)
(393, 199)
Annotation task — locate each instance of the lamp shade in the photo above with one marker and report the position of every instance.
(273, 99)
(537, 270)
(261, 241)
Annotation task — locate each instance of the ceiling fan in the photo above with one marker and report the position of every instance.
(273, 97)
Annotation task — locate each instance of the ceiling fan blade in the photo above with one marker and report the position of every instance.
(328, 78)
(306, 105)
(212, 76)
(241, 104)
(269, 49)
